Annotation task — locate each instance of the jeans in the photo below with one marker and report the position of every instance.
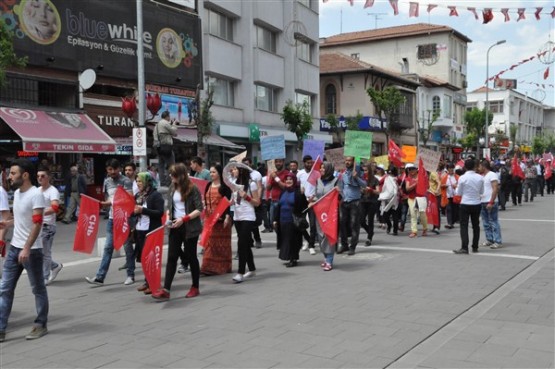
(10, 275)
(265, 215)
(368, 212)
(491, 223)
(273, 206)
(47, 234)
(74, 200)
(529, 185)
(404, 210)
(177, 238)
(108, 251)
(349, 221)
(244, 245)
(130, 255)
(329, 258)
(472, 212)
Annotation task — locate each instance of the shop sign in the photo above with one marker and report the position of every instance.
(67, 147)
(27, 154)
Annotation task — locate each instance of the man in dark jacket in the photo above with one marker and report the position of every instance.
(75, 185)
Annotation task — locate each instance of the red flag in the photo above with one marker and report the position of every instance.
(431, 210)
(395, 154)
(211, 220)
(326, 210)
(395, 6)
(422, 182)
(200, 183)
(473, 11)
(122, 206)
(516, 169)
(460, 163)
(553, 13)
(505, 12)
(352, 2)
(488, 15)
(453, 11)
(546, 73)
(314, 174)
(87, 225)
(537, 13)
(151, 257)
(413, 9)
(548, 170)
(521, 14)
(431, 7)
(368, 4)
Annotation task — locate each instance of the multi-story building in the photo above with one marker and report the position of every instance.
(257, 56)
(435, 56)
(512, 108)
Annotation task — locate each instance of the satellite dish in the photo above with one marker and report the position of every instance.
(87, 79)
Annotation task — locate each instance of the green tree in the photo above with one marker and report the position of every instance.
(8, 58)
(539, 145)
(387, 103)
(550, 142)
(469, 141)
(200, 114)
(352, 122)
(513, 130)
(298, 120)
(475, 121)
(425, 127)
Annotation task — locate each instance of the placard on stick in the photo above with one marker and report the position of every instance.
(272, 147)
(358, 144)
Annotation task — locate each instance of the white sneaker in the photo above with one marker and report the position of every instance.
(181, 269)
(249, 275)
(238, 278)
(486, 244)
(305, 246)
(312, 251)
(47, 282)
(496, 245)
(129, 280)
(54, 272)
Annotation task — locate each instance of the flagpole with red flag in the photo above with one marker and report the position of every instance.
(123, 206)
(87, 225)
(314, 174)
(326, 210)
(211, 221)
(151, 258)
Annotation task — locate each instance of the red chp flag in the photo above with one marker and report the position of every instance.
(422, 182)
(516, 169)
(395, 154)
(122, 206)
(87, 225)
(211, 220)
(431, 210)
(314, 174)
(326, 210)
(151, 257)
(200, 183)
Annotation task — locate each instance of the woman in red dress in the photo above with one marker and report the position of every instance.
(217, 254)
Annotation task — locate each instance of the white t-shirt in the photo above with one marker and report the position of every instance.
(4, 203)
(244, 210)
(309, 189)
(256, 176)
(23, 205)
(144, 221)
(50, 194)
(488, 189)
(178, 206)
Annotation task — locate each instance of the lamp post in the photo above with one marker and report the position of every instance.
(486, 105)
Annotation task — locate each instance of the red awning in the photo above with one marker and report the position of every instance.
(46, 131)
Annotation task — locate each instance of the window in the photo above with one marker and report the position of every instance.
(331, 99)
(265, 39)
(223, 91)
(428, 51)
(266, 98)
(304, 51)
(301, 98)
(355, 56)
(496, 106)
(447, 106)
(220, 25)
(436, 105)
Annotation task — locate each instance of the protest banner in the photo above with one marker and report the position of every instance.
(410, 153)
(336, 157)
(383, 159)
(430, 158)
(358, 144)
(314, 148)
(272, 147)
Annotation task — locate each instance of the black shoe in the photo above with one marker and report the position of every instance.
(435, 230)
(395, 234)
(342, 250)
(66, 221)
(351, 252)
(292, 263)
(461, 251)
(474, 250)
(368, 243)
(267, 230)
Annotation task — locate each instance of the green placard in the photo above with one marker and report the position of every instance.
(358, 144)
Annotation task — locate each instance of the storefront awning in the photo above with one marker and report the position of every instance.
(46, 131)
(190, 135)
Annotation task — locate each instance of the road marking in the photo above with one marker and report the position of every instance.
(450, 252)
(528, 220)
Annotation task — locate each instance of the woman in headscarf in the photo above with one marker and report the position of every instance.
(185, 206)
(217, 253)
(325, 184)
(149, 208)
(291, 203)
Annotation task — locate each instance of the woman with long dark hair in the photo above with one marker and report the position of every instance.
(185, 206)
(245, 199)
(217, 253)
(149, 208)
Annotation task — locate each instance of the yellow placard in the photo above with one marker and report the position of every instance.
(382, 160)
(410, 153)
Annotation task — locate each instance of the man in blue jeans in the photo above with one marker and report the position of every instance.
(111, 183)
(26, 250)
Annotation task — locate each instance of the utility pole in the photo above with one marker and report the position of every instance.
(376, 18)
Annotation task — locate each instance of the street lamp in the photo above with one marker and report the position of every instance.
(486, 105)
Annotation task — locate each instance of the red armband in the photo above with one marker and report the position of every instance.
(248, 198)
(37, 218)
(55, 208)
(2, 243)
(186, 218)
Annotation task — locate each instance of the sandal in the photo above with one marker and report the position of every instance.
(412, 235)
(327, 267)
(424, 233)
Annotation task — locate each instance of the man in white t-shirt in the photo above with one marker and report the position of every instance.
(26, 250)
(52, 201)
(309, 191)
(490, 209)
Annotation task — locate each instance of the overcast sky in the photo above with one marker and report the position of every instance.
(524, 38)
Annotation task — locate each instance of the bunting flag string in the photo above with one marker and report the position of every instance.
(487, 13)
(542, 85)
(540, 54)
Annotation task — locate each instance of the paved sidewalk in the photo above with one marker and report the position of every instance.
(401, 303)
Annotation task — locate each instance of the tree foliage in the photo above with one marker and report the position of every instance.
(298, 120)
(475, 121)
(8, 58)
(539, 145)
(387, 103)
(513, 130)
(202, 118)
(352, 122)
